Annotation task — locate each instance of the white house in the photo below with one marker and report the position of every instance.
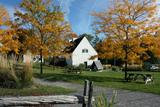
(81, 52)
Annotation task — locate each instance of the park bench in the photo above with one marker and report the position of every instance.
(145, 77)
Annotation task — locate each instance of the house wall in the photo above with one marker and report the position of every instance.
(79, 58)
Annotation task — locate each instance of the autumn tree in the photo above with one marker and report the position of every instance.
(96, 40)
(88, 36)
(156, 48)
(44, 27)
(93, 39)
(126, 21)
(152, 48)
(109, 49)
(4, 16)
(8, 40)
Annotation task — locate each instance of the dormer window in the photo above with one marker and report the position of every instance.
(84, 50)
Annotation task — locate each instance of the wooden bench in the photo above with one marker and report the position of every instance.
(145, 76)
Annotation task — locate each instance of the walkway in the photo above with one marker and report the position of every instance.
(125, 98)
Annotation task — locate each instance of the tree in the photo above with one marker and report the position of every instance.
(43, 24)
(88, 36)
(8, 40)
(127, 21)
(4, 16)
(156, 46)
(96, 40)
(109, 49)
(92, 39)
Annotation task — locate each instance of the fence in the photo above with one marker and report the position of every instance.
(49, 101)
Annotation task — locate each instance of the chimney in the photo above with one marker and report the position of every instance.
(73, 39)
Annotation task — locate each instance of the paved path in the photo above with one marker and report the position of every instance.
(125, 98)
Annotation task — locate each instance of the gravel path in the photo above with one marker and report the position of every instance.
(124, 98)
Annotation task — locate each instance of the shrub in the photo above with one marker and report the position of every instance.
(72, 69)
(7, 74)
(24, 73)
(102, 101)
(107, 66)
(75, 69)
(82, 67)
(14, 75)
(56, 61)
(115, 68)
(28, 74)
(147, 66)
(69, 69)
(134, 68)
(8, 78)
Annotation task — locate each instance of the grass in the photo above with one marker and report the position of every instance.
(36, 90)
(33, 90)
(107, 79)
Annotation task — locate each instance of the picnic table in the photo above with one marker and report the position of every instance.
(133, 76)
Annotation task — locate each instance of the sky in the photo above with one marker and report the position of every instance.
(77, 12)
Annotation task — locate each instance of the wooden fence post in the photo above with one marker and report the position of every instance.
(90, 94)
(85, 93)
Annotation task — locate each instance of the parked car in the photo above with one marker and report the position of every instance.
(154, 67)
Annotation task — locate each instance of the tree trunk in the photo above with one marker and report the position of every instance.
(114, 59)
(41, 63)
(126, 63)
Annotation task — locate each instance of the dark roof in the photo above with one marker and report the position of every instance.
(75, 43)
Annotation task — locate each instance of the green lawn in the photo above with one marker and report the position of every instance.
(36, 90)
(107, 79)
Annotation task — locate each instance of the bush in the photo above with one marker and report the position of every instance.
(73, 70)
(107, 66)
(69, 69)
(7, 74)
(115, 68)
(133, 68)
(82, 67)
(102, 101)
(8, 78)
(14, 75)
(147, 66)
(76, 69)
(24, 73)
(56, 61)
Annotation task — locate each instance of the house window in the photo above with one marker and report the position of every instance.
(84, 50)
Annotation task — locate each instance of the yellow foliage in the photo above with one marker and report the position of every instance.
(4, 16)
(46, 30)
(130, 27)
(7, 35)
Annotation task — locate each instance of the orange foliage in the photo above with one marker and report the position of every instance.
(7, 35)
(127, 24)
(46, 32)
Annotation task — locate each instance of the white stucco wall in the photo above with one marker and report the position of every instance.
(78, 57)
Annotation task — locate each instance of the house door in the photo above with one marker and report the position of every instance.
(85, 63)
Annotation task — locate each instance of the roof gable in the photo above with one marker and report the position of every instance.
(84, 44)
(76, 43)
